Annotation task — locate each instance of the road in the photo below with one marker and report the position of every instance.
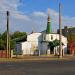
(44, 67)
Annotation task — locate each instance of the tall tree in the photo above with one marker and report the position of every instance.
(16, 36)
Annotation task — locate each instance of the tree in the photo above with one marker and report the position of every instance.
(2, 46)
(4, 36)
(0, 36)
(56, 42)
(16, 36)
(19, 36)
(4, 40)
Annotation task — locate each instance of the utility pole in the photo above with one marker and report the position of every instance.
(60, 32)
(8, 36)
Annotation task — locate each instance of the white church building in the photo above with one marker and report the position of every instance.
(38, 43)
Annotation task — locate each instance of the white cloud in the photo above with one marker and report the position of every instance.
(39, 14)
(9, 5)
(20, 16)
(12, 6)
(16, 17)
(69, 21)
(25, 22)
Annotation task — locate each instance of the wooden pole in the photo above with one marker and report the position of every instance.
(60, 32)
(8, 37)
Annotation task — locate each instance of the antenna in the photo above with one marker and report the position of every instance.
(32, 29)
(48, 11)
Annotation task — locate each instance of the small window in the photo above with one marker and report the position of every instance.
(51, 37)
(44, 37)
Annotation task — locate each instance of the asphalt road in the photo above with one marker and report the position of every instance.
(51, 67)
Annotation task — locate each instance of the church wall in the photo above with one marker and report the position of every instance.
(51, 37)
(18, 48)
(34, 37)
(44, 47)
(65, 48)
(26, 48)
(35, 43)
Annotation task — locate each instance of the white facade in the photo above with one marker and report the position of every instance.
(36, 43)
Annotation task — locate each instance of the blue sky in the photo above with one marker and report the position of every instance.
(42, 5)
(26, 15)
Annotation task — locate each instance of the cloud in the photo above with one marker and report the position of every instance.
(20, 16)
(68, 21)
(39, 14)
(25, 22)
(9, 5)
(12, 6)
(16, 17)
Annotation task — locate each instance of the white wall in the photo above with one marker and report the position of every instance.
(34, 37)
(44, 48)
(34, 42)
(18, 48)
(26, 48)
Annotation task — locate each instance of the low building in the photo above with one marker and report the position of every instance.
(71, 47)
(67, 31)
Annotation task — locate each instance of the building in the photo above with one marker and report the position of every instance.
(41, 43)
(67, 31)
(71, 47)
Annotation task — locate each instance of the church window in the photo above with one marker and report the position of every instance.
(51, 37)
(44, 37)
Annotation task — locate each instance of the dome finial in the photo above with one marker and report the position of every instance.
(48, 14)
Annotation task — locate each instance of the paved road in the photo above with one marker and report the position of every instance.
(38, 68)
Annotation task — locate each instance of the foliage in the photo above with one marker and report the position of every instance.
(71, 37)
(3, 39)
(2, 44)
(56, 42)
(53, 44)
(18, 34)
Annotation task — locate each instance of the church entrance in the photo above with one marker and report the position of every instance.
(52, 50)
(51, 47)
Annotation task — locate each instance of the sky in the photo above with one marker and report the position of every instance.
(28, 15)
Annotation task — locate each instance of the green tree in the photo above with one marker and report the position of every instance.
(16, 36)
(0, 36)
(2, 46)
(56, 42)
(19, 36)
(3, 40)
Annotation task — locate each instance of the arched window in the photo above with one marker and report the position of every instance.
(51, 37)
(44, 38)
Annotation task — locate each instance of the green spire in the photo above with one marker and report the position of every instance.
(48, 30)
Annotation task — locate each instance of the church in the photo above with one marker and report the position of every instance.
(42, 43)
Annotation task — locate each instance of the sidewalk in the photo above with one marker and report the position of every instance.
(37, 58)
